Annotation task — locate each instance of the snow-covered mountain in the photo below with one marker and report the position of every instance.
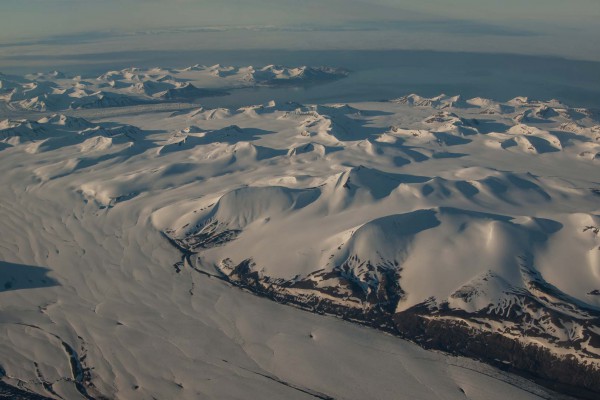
(478, 250)
(464, 225)
(55, 91)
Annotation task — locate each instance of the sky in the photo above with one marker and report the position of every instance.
(550, 27)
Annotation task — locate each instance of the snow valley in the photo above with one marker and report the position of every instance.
(131, 216)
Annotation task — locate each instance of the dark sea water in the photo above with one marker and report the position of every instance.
(375, 75)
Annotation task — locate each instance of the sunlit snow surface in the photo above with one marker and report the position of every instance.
(469, 200)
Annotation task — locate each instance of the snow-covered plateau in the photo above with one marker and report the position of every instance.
(467, 230)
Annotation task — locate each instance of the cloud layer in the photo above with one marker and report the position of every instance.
(505, 26)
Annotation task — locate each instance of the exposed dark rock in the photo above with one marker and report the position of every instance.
(442, 328)
(509, 336)
(14, 393)
(563, 374)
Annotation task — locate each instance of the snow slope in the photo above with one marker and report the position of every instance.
(434, 219)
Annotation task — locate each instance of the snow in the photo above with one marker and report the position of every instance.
(55, 91)
(450, 203)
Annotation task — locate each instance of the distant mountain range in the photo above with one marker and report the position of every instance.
(465, 225)
(54, 91)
